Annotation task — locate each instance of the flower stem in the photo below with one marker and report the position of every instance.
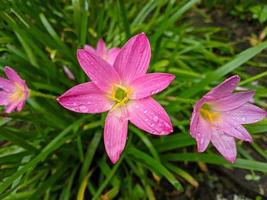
(39, 94)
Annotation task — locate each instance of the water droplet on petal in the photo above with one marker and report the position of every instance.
(243, 119)
(82, 108)
(167, 125)
(146, 120)
(145, 111)
(155, 119)
(152, 125)
(153, 92)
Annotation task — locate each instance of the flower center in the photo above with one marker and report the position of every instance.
(120, 95)
(17, 94)
(209, 114)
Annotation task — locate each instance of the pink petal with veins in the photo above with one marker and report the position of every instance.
(148, 115)
(233, 101)
(225, 88)
(100, 72)
(203, 135)
(133, 59)
(115, 134)
(85, 98)
(246, 114)
(224, 144)
(150, 84)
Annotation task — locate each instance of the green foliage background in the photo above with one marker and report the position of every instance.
(48, 152)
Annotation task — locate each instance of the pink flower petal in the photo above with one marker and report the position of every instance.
(133, 59)
(235, 130)
(150, 84)
(247, 114)
(195, 116)
(101, 47)
(85, 98)
(98, 70)
(225, 88)
(89, 48)
(3, 98)
(115, 134)
(203, 135)
(224, 144)
(194, 124)
(233, 101)
(112, 55)
(11, 107)
(20, 106)
(6, 85)
(13, 76)
(148, 115)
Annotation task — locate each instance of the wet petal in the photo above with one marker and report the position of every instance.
(233, 101)
(99, 71)
(236, 130)
(246, 114)
(85, 98)
(112, 55)
(224, 144)
(115, 134)
(133, 59)
(148, 115)
(203, 135)
(150, 84)
(226, 88)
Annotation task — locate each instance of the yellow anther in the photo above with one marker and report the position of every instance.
(209, 114)
(17, 94)
(120, 95)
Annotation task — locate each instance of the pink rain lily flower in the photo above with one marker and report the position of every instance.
(101, 50)
(124, 90)
(218, 117)
(13, 91)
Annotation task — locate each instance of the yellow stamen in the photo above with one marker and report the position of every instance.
(120, 95)
(18, 93)
(210, 115)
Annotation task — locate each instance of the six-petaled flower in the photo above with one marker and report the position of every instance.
(218, 117)
(13, 91)
(124, 90)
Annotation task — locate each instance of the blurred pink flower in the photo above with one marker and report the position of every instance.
(124, 90)
(218, 117)
(13, 91)
(101, 50)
